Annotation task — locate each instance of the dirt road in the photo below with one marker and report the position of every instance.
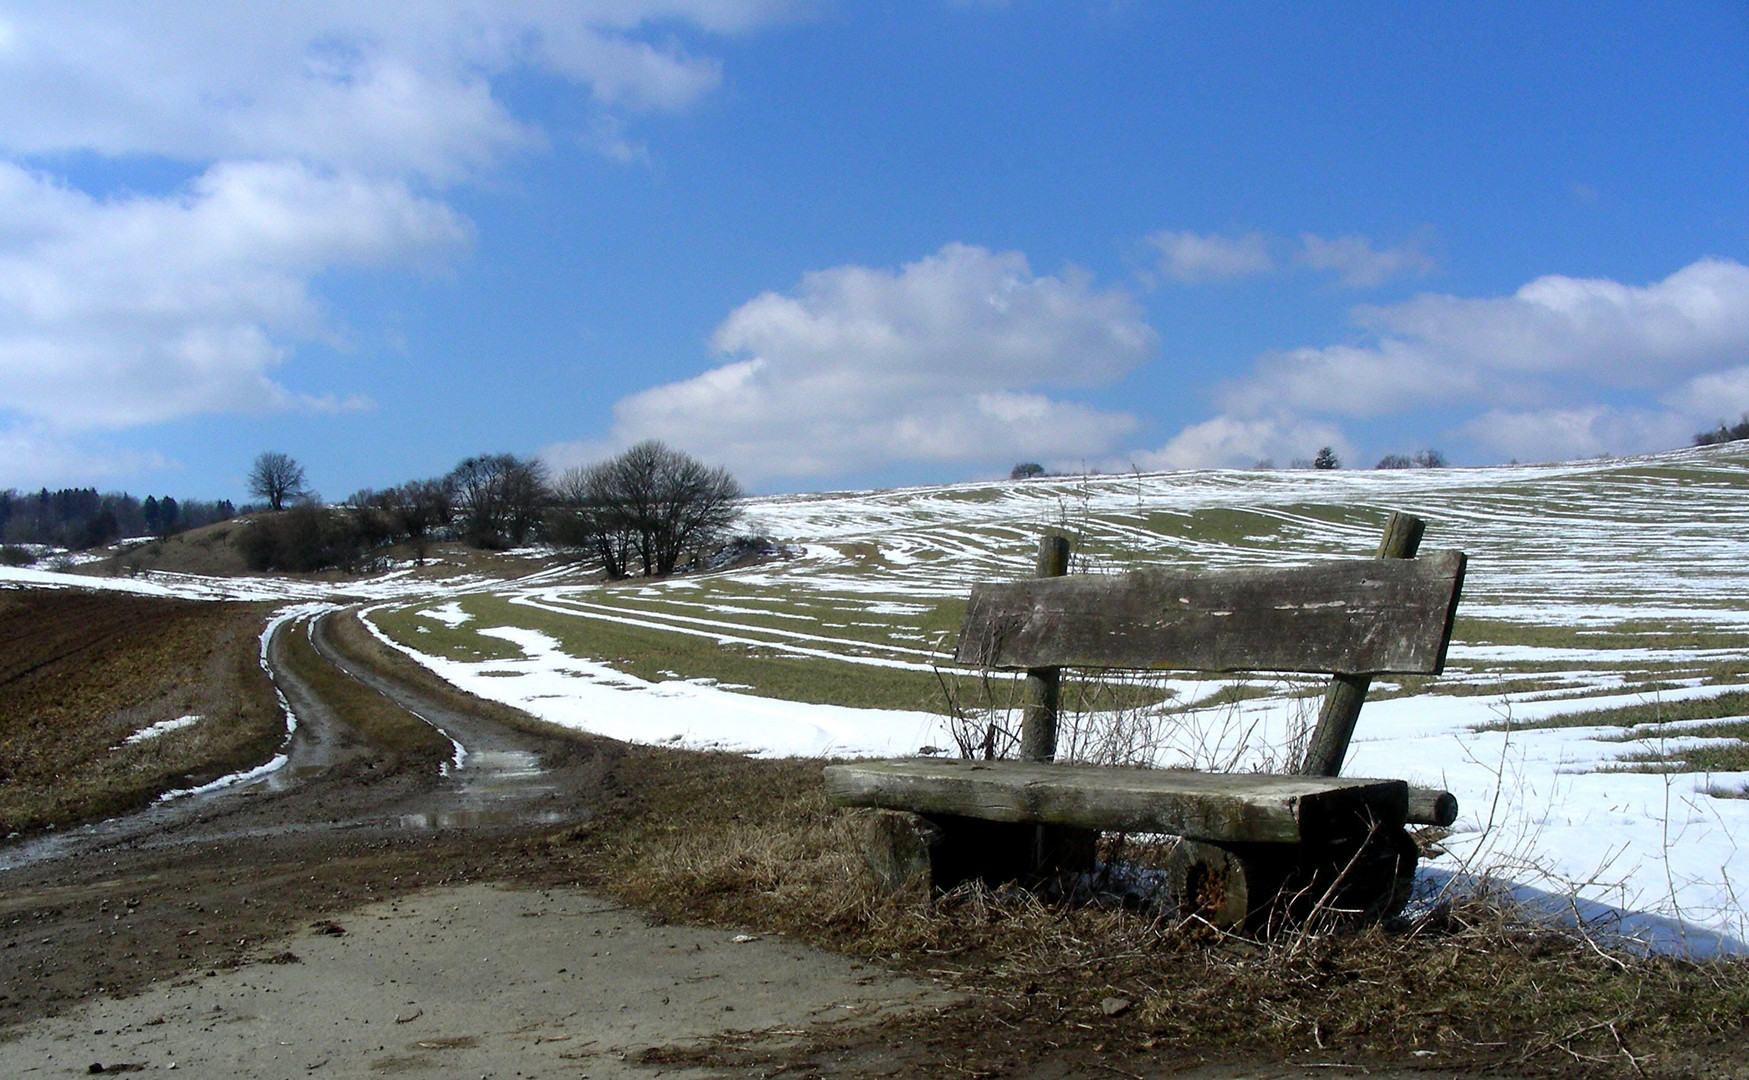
(169, 935)
(472, 981)
(432, 905)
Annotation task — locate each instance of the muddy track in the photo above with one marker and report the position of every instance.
(194, 882)
(496, 775)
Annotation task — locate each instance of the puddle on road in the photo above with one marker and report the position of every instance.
(461, 819)
(496, 765)
(494, 788)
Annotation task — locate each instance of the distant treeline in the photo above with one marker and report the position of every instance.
(1724, 434)
(651, 510)
(80, 518)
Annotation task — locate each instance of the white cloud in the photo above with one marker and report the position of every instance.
(135, 310)
(320, 133)
(1601, 330)
(1229, 442)
(940, 360)
(1540, 364)
(398, 87)
(1721, 395)
(1192, 257)
(1379, 380)
(32, 456)
(1360, 265)
(1585, 431)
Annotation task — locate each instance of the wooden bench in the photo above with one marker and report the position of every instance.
(1254, 848)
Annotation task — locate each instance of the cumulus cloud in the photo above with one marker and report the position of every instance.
(1543, 368)
(1721, 395)
(1231, 442)
(1554, 339)
(1379, 380)
(320, 135)
(942, 360)
(1358, 264)
(1193, 257)
(1586, 431)
(135, 310)
(32, 455)
(392, 86)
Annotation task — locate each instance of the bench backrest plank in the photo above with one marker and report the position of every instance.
(1351, 616)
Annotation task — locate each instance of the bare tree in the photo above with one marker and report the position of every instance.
(423, 505)
(276, 478)
(651, 504)
(585, 517)
(500, 498)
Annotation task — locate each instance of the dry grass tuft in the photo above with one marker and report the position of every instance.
(1476, 984)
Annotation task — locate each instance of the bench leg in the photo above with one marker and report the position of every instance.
(942, 850)
(1210, 883)
(1355, 883)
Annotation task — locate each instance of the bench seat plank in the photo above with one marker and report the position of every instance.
(1224, 807)
(1350, 616)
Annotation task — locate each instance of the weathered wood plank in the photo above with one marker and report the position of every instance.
(1328, 746)
(1354, 616)
(1229, 807)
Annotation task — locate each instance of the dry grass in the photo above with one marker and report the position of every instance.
(723, 840)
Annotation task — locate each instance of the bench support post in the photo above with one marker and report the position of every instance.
(1347, 693)
(1038, 718)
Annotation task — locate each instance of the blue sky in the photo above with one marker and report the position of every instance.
(833, 244)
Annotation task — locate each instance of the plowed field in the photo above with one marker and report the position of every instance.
(80, 672)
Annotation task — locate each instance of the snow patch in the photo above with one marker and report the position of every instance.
(162, 727)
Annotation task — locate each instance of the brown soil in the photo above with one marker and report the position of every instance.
(81, 671)
(723, 840)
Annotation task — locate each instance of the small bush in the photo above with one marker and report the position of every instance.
(307, 537)
(1423, 459)
(16, 555)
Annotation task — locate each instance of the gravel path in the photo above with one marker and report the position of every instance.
(476, 981)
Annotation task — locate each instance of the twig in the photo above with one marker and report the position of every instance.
(1623, 1047)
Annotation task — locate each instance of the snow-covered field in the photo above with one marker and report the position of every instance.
(1591, 584)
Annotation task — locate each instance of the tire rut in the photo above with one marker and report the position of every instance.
(331, 780)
